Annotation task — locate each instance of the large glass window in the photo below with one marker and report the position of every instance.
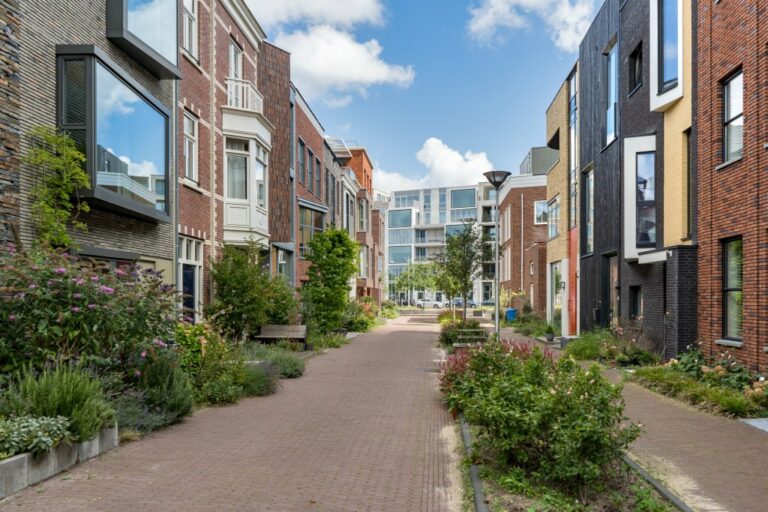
(733, 306)
(589, 214)
(646, 198)
(540, 212)
(131, 141)
(612, 91)
(310, 222)
(406, 199)
(190, 27)
(399, 255)
(553, 217)
(400, 236)
(734, 117)
(463, 198)
(464, 215)
(190, 147)
(154, 22)
(237, 169)
(400, 219)
(668, 44)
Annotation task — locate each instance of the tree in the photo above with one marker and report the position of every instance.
(59, 170)
(417, 276)
(333, 260)
(463, 259)
(448, 284)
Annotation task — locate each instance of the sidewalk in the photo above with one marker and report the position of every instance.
(712, 463)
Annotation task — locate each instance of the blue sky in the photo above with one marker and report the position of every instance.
(437, 90)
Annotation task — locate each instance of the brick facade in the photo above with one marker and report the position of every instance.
(9, 119)
(523, 243)
(45, 25)
(731, 37)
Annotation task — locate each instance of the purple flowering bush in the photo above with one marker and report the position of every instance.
(56, 307)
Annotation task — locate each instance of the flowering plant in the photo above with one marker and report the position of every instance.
(55, 306)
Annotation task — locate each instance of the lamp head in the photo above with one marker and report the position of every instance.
(497, 178)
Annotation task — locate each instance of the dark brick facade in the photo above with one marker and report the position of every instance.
(45, 25)
(731, 197)
(9, 119)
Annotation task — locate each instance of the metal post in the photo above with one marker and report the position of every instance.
(496, 268)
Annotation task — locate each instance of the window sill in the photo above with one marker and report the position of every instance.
(192, 185)
(588, 255)
(609, 143)
(553, 237)
(635, 89)
(730, 343)
(192, 60)
(728, 163)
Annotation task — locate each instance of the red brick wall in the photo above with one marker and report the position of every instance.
(731, 200)
(275, 85)
(533, 244)
(363, 168)
(306, 131)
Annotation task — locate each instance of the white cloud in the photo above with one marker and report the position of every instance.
(566, 20)
(143, 168)
(446, 167)
(344, 13)
(330, 64)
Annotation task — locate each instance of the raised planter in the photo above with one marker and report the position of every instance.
(65, 456)
(88, 449)
(14, 474)
(108, 439)
(41, 467)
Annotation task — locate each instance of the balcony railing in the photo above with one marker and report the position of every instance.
(243, 94)
(430, 240)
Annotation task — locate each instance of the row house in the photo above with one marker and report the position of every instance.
(622, 123)
(105, 74)
(523, 232)
(226, 147)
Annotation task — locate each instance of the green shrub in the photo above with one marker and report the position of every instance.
(63, 391)
(167, 387)
(134, 414)
(63, 308)
(288, 364)
(260, 379)
(329, 341)
(558, 420)
(221, 390)
(447, 317)
(191, 338)
(282, 302)
(19, 434)
(360, 315)
(605, 345)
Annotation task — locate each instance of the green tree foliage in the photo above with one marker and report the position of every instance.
(59, 170)
(418, 276)
(333, 260)
(461, 261)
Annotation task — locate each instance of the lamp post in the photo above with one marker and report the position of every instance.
(497, 179)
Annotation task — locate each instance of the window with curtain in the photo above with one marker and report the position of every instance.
(237, 169)
(734, 117)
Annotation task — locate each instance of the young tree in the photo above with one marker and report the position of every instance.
(463, 259)
(333, 260)
(417, 276)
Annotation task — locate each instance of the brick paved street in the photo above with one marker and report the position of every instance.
(363, 430)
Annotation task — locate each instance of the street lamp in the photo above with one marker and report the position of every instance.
(497, 179)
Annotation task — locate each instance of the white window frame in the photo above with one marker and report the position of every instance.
(553, 218)
(193, 257)
(190, 147)
(235, 60)
(536, 205)
(612, 92)
(661, 100)
(189, 41)
(632, 147)
(728, 121)
(247, 156)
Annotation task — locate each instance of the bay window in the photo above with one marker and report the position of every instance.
(122, 129)
(237, 169)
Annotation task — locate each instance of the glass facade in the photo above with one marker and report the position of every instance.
(154, 22)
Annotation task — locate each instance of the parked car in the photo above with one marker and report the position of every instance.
(429, 303)
(489, 303)
(459, 303)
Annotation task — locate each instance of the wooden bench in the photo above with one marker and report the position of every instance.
(472, 335)
(284, 332)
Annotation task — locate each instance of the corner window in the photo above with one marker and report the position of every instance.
(237, 169)
(553, 217)
(733, 95)
(189, 41)
(540, 209)
(589, 212)
(636, 68)
(190, 147)
(646, 198)
(125, 141)
(732, 288)
(147, 31)
(310, 222)
(668, 44)
(612, 94)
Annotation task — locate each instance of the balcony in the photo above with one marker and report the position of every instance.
(243, 95)
(429, 240)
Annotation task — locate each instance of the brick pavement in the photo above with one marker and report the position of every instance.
(713, 463)
(363, 430)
